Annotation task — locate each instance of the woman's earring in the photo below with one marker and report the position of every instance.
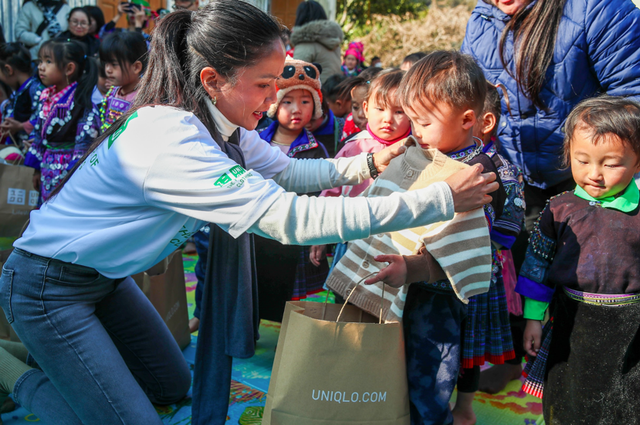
(214, 100)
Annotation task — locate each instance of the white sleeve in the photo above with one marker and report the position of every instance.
(195, 178)
(301, 175)
(314, 175)
(303, 220)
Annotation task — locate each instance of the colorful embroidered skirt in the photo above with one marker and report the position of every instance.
(487, 336)
(589, 371)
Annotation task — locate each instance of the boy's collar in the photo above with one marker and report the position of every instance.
(626, 202)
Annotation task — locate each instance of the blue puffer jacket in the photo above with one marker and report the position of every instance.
(597, 51)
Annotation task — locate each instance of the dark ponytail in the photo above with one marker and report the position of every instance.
(86, 73)
(225, 35)
(534, 38)
(17, 56)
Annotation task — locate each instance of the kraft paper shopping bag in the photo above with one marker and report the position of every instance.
(17, 198)
(350, 371)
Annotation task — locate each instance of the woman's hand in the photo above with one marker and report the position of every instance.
(395, 274)
(532, 337)
(382, 159)
(317, 253)
(140, 17)
(36, 180)
(470, 187)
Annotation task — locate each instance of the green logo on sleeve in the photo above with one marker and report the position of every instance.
(119, 131)
(237, 177)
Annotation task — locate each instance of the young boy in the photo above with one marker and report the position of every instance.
(443, 94)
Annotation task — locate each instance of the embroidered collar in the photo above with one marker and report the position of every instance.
(468, 153)
(224, 126)
(304, 142)
(490, 148)
(388, 142)
(626, 201)
(50, 97)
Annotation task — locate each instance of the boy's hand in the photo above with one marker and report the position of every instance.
(317, 253)
(395, 274)
(382, 159)
(532, 337)
(470, 187)
(36, 180)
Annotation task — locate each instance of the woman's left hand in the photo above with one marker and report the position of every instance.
(382, 159)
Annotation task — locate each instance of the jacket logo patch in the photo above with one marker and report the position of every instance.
(236, 176)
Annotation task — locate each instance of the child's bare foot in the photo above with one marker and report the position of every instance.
(463, 417)
(194, 324)
(190, 248)
(496, 378)
(462, 412)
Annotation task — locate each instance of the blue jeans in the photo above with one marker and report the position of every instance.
(104, 351)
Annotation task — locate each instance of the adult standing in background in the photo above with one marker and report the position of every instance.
(316, 39)
(40, 20)
(550, 55)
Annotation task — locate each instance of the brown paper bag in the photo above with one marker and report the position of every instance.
(167, 293)
(327, 372)
(17, 198)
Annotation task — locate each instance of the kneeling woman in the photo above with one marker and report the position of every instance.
(185, 154)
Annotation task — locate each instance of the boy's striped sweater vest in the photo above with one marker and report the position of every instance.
(461, 246)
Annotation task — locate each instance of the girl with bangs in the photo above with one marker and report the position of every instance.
(66, 121)
(124, 55)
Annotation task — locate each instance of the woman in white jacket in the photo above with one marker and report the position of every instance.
(184, 155)
(40, 20)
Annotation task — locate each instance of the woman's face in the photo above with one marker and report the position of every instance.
(79, 24)
(511, 7)
(254, 90)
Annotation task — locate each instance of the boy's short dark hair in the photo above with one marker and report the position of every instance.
(449, 77)
(381, 87)
(603, 117)
(492, 105)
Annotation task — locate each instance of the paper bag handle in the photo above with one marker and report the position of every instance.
(354, 290)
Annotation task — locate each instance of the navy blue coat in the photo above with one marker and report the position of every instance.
(597, 51)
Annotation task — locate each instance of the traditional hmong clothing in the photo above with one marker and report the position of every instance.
(487, 334)
(22, 105)
(113, 107)
(285, 271)
(587, 370)
(62, 133)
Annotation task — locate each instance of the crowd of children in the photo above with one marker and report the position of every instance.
(582, 261)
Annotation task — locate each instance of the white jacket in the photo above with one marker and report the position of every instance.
(29, 19)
